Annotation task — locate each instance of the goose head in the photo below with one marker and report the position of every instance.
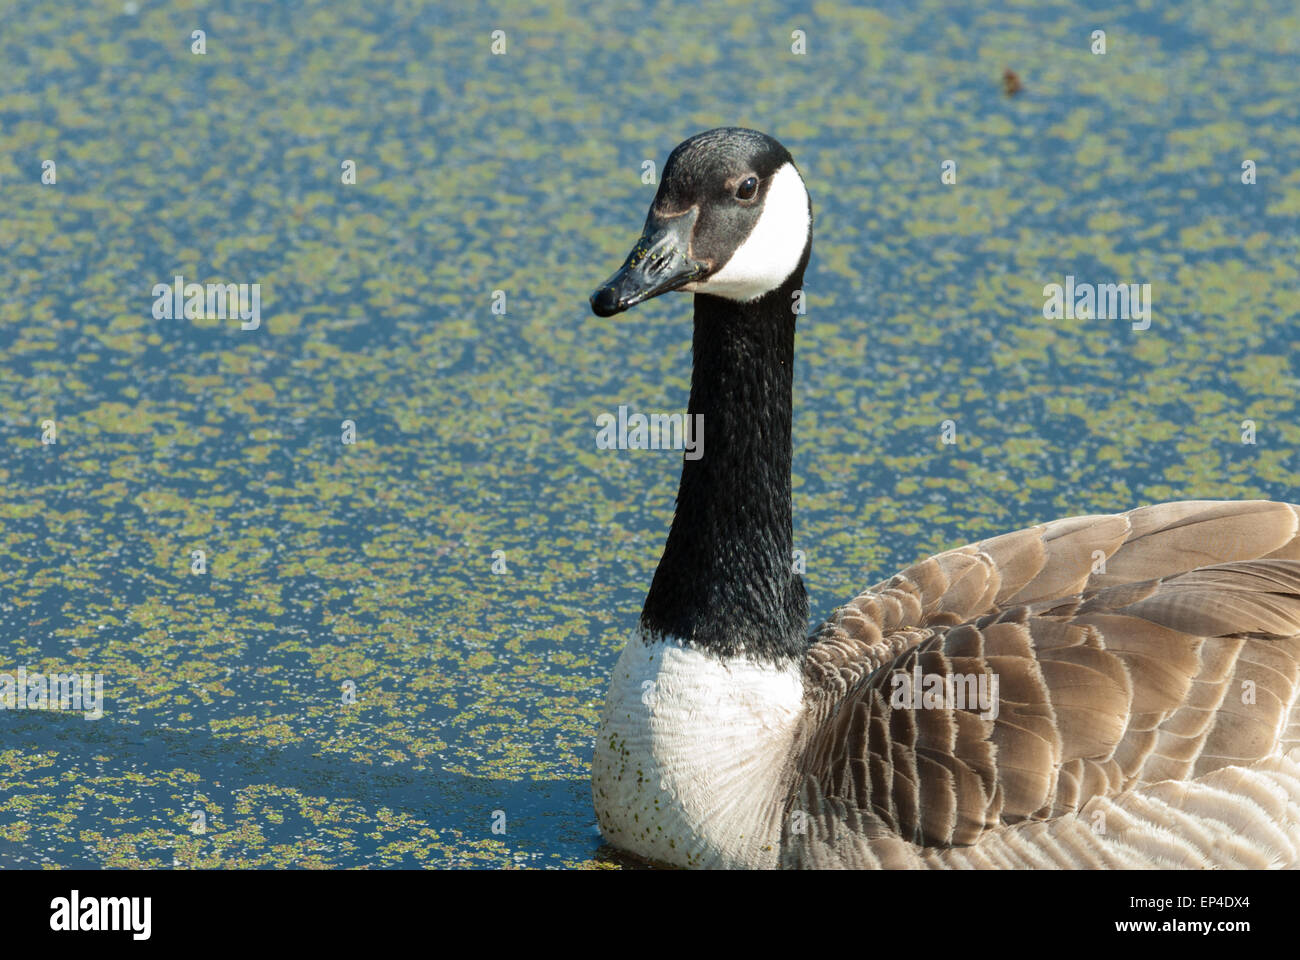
(731, 219)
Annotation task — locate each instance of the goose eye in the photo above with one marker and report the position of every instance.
(748, 187)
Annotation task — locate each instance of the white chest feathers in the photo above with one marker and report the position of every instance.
(693, 757)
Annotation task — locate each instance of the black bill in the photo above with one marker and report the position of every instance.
(658, 263)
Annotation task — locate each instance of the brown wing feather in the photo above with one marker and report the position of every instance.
(1160, 644)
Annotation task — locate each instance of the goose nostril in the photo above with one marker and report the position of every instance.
(659, 263)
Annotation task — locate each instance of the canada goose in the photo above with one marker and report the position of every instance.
(1145, 663)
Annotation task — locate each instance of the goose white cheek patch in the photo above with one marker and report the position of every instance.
(773, 248)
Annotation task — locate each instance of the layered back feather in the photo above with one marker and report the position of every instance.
(1148, 665)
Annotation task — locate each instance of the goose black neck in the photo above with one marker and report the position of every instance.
(726, 582)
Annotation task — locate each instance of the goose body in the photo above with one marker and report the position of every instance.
(1099, 691)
